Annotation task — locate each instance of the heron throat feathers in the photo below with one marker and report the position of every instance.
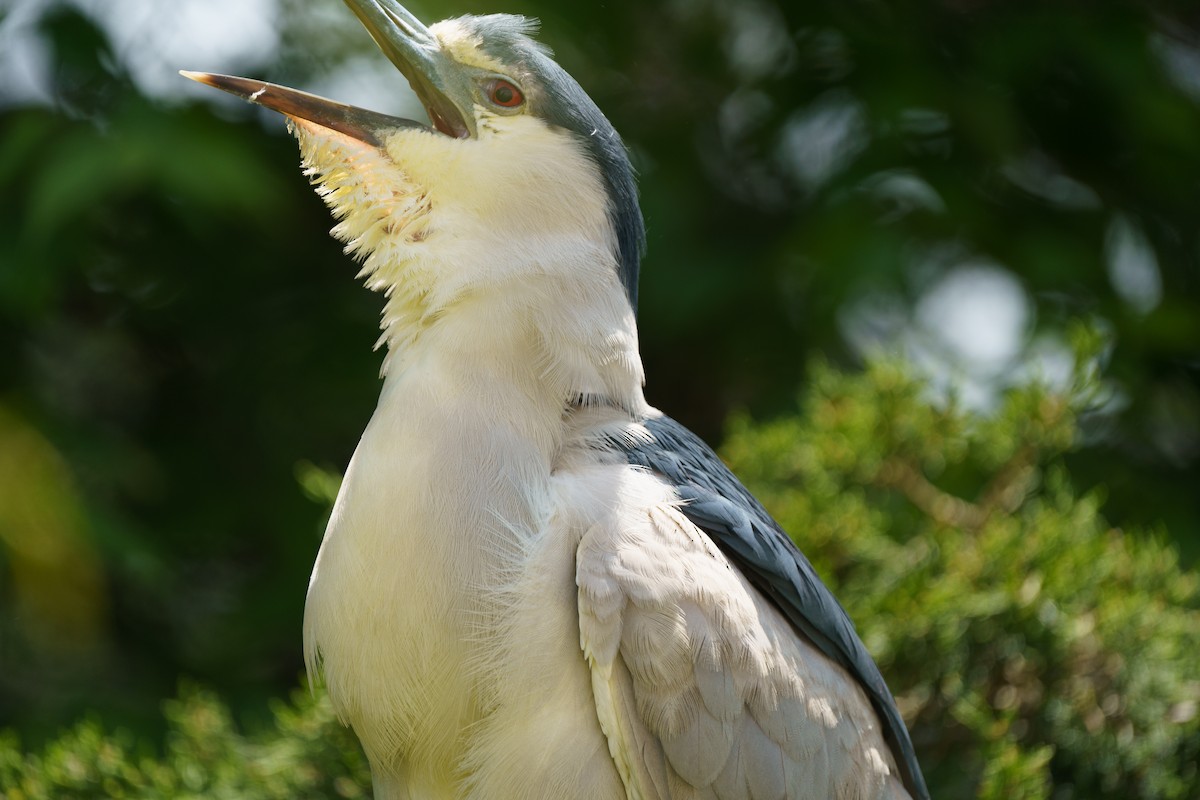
(506, 236)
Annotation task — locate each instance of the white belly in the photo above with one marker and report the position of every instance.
(446, 623)
(388, 611)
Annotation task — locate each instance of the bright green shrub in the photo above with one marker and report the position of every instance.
(307, 754)
(1035, 650)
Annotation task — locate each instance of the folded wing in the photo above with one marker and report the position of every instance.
(703, 687)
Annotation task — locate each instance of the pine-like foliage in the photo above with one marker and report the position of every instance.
(1035, 650)
(305, 755)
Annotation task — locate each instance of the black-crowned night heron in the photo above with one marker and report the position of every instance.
(533, 584)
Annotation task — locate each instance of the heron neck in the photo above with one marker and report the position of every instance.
(514, 366)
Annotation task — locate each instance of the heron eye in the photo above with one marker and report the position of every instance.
(505, 94)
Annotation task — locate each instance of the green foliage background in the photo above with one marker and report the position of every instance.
(185, 367)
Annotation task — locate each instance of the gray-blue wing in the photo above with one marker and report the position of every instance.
(718, 504)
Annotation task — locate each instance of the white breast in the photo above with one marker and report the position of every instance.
(437, 605)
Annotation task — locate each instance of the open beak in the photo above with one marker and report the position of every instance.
(435, 77)
(408, 44)
(358, 123)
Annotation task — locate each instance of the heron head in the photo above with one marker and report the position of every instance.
(516, 161)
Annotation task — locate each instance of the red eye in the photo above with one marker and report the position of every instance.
(505, 94)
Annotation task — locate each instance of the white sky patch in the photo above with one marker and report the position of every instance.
(821, 140)
(1132, 265)
(370, 82)
(741, 114)
(1181, 60)
(967, 336)
(154, 40)
(757, 41)
(1050, 362)
(980, 312)
(901, 192)
(24, 60)
(1037, 174)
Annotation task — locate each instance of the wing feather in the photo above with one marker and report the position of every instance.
(701, 685)
(717, 504)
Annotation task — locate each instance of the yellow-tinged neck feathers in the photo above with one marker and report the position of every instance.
(514, 221)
